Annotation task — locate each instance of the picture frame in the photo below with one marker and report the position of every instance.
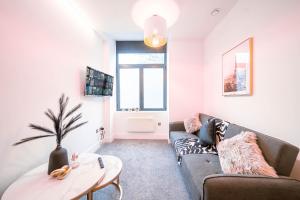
(237, 69)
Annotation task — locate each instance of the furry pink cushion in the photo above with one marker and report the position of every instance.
(241, 155)
(193, 124)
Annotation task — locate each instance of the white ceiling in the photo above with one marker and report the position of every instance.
(113, 17)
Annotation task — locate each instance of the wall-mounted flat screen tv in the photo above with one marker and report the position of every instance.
(98, 83)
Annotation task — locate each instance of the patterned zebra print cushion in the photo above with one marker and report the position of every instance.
(185, 146)
(221, 127)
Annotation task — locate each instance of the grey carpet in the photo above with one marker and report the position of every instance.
(149, 171)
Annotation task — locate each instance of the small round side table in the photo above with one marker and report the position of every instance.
(113, 167)
(38, 185)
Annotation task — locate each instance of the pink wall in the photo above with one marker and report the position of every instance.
(44, 49)
(185, 86)
(273, 108)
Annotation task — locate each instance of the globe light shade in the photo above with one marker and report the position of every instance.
(155, 31)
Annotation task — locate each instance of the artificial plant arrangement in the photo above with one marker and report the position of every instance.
(63, 124)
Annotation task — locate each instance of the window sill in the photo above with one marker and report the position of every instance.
(137, 112)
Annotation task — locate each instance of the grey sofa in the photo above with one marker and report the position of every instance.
(205, 180)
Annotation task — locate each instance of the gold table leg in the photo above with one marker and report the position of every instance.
(118, 186)
(90, 195)
(116, 183)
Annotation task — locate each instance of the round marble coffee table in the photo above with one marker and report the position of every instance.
(113, 166)
(37, 184)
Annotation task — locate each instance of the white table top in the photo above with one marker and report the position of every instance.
(113, 166)
(37, 185)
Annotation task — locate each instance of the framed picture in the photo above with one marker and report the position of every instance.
(237, 64)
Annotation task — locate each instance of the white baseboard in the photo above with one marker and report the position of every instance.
(93, 148)
(146, 136)
(108, 140)
(156, 136)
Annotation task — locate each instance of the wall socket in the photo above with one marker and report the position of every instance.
(99, 129)
(159, 123)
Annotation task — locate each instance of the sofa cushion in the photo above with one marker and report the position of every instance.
(241, 155)
(207, 133)
(279, 154)
(221, 128)
(204, 117)
(192, 124)
(195, 167)
(175, 135)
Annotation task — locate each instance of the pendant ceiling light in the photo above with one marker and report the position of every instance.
(155, 17)
(155, 31)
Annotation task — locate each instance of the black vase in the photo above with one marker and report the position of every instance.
(57, 159)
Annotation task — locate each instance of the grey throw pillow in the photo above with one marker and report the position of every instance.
(207, 133)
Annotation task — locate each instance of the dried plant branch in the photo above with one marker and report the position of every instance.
(73, 110)
(40, 128)
(60, 129)
(72, 128)
(72, 121)
(31, 138)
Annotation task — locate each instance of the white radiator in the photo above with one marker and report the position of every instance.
(141, 125)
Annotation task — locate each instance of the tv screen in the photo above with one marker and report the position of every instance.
(98, 83)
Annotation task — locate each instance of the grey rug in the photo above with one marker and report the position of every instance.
(150, 171)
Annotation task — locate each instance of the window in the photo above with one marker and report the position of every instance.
(141, 77)
(153, 88)
(129, 88)
(141, 58)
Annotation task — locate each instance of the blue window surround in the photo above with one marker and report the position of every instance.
(140, 47)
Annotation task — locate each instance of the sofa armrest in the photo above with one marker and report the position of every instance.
(247, 187)
(176, 126)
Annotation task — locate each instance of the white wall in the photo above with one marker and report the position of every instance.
(120, 125)
(109, 56)
(274, 107)
(184, 91)
(185, 85)
(44, 49)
